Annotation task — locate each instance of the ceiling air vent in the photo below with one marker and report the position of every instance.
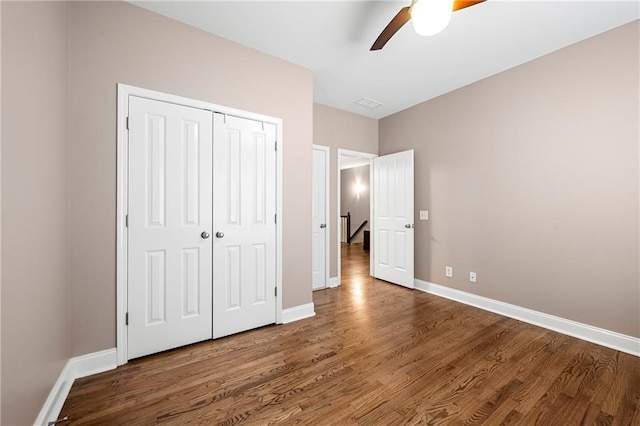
(368, 103)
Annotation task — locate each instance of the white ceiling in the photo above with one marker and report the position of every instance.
(332, 38)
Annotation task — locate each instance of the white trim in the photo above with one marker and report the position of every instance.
(75, 368)
(355, 154)
(298, 313)
(372, 220)
(124, 91)
(327, 213)
(353, 166)
(333, 282)
(600, 336)
(279, 215)
(94, 363)
(122, 187)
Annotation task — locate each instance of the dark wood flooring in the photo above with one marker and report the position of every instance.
(375, 354)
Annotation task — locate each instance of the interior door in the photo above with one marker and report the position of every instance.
(169, 222)
(393, 223)
(319, 218)
(244, 258)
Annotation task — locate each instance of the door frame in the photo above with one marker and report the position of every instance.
(123, 93)
(370, 157)
(327, 215)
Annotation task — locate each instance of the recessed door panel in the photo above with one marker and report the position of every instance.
(383, 189)
(234, 176)
(383, 253)
(191, 156)
(156, 287)
(155, 149)
(232, 283)
(399, 191)
(259, 278)
(400, 245)
(260, 177)
(191, 282)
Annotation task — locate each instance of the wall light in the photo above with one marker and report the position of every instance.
(358, 189)
(429, 17)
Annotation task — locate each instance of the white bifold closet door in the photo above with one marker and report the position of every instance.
(244, 224)
(201, 225)
(170, 219)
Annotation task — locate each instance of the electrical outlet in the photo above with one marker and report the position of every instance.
(472, 277)
(424, 214)
(449, 271)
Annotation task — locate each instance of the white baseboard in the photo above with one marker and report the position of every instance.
(297, 313)
(600, 336)
(75, 368)
(333, 282)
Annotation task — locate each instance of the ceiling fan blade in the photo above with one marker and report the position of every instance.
(461, 4)
(396, 23)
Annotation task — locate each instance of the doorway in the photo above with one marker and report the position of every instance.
(358, 167)
(391, 240)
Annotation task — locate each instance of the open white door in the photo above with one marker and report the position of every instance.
(169, 277)
(244, 246)
(319, 216)
(393, 218)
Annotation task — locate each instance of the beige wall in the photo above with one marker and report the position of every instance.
(35, 274)
(114, 42)
(0, 213)
(531, 179)
(341, 130)
(356, 203)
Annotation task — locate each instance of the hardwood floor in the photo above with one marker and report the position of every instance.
(375, 354)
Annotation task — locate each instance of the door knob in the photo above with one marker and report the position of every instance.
(409, 225)
(323, 225)
(204, 235)
(219, 234)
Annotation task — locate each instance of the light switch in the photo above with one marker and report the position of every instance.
(424, 214)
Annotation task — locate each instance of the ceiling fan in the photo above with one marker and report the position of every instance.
(429, 18)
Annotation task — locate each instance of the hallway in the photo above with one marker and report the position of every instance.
(354, 260)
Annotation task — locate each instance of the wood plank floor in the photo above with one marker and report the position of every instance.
(375, 354)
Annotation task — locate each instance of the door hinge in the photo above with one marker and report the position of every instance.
(127, 123)
(275, 218)
(126, 221)
(275, 146)
(276, 291)
(126, 318)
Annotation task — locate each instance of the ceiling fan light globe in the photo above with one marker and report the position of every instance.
(429, 17)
